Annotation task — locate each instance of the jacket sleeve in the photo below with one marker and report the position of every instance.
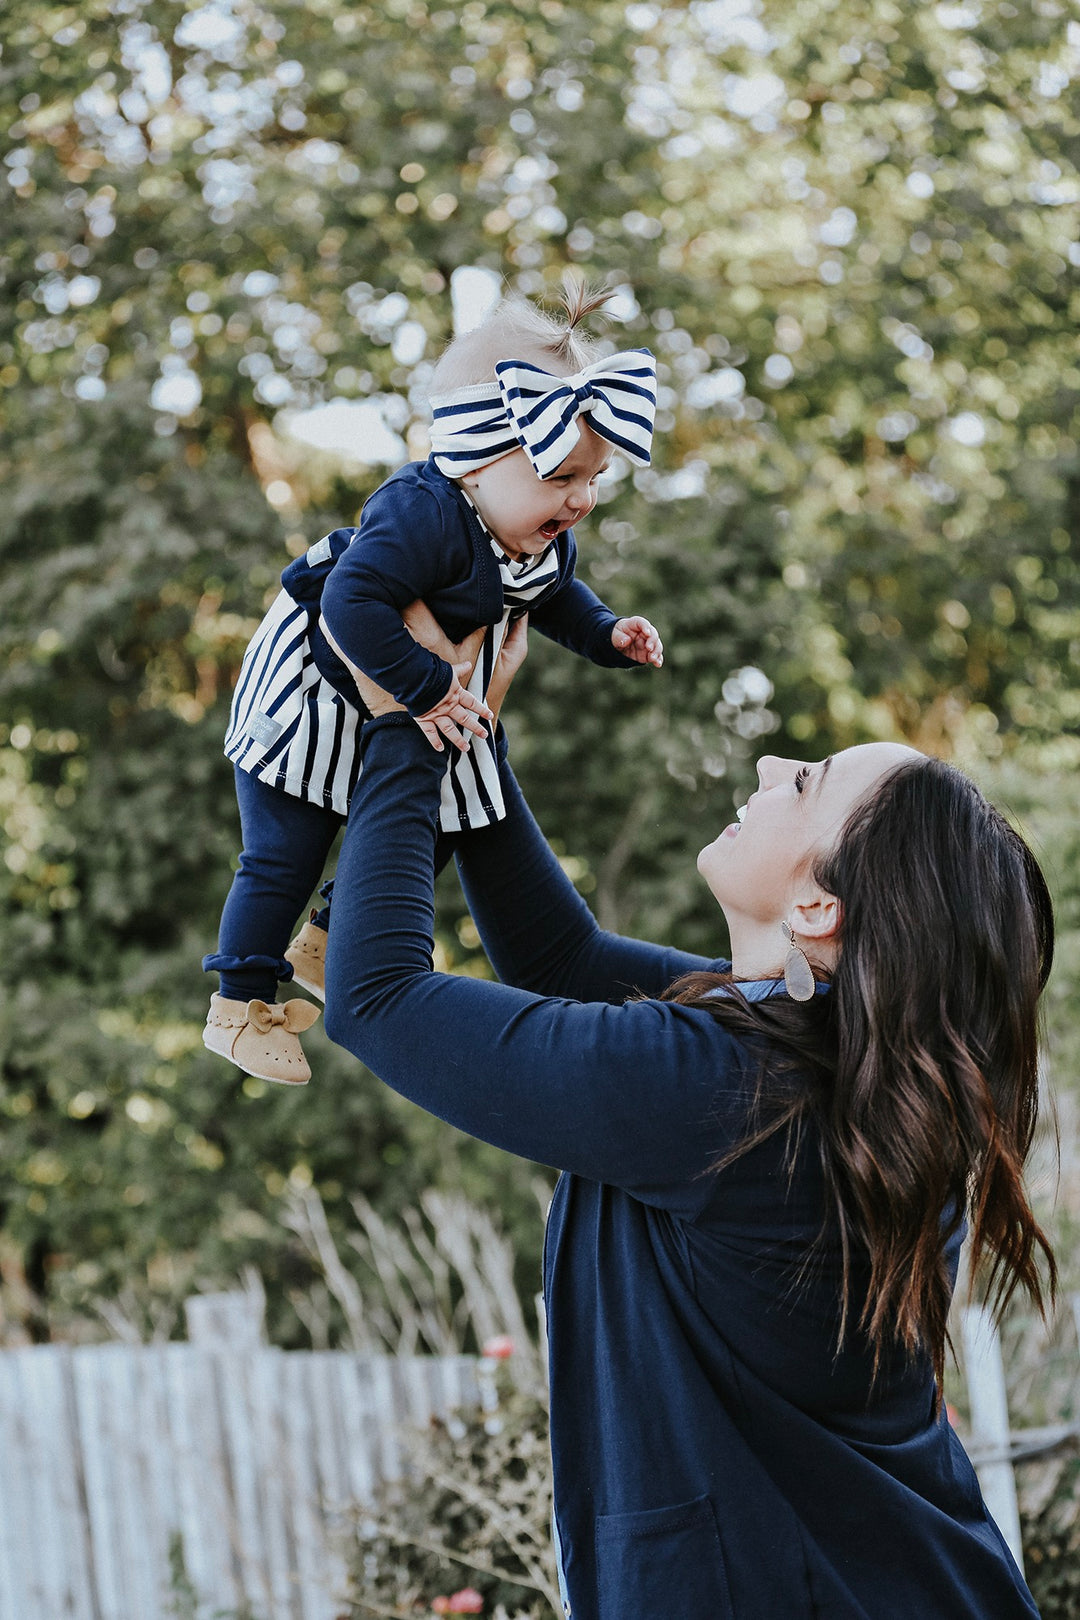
(538, 932)
(645, 1095)
(401, 552)
(575, 617)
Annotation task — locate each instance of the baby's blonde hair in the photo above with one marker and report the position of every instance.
(518, 329)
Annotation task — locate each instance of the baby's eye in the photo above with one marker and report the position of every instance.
(802, 776)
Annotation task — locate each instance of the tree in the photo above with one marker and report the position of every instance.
(846, 232)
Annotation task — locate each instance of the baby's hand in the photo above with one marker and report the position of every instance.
(637, 639)
(459, 708)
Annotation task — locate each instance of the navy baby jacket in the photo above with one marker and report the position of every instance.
(714, 1457)
(420, 538)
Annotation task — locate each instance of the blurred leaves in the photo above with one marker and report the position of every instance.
(850, 235)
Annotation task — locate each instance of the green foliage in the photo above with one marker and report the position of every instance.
(474, 1506)
(1051, 1527)
(850, 234)
(183, 1603)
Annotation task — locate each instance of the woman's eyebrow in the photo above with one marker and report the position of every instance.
(824, 771)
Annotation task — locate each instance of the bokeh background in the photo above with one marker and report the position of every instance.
(234, 237)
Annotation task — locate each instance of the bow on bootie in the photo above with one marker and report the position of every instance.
(291, 1015)
(261, 1038)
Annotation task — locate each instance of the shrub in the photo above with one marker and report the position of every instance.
(474, 1506)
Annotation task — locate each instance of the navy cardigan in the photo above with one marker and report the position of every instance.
(420, 538)
(714, 1456)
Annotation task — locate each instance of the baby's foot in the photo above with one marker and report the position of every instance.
(261, 1038)
(307, 956)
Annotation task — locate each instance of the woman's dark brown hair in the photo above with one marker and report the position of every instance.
(920, 1065)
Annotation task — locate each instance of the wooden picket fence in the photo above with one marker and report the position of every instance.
(118, 1460)
(993, 1445)
(215, 1480)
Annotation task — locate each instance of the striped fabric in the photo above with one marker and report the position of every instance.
(471, 795)
(294, 731)
(288, 726)
(531, 410)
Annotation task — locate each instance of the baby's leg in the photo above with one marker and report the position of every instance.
(286, 843)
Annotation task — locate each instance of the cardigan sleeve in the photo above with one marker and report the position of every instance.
(538, 932)
(645, 1095)
(401, 552)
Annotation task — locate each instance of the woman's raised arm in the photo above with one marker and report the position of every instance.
(645, 1095)
(538, 931)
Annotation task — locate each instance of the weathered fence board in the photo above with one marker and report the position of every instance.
(990, 1422)
(205, 1503)
(249, 1458)
(111, 1454)
(37, 1485)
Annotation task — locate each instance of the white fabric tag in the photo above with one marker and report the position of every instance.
(264, 730)
(320, 552)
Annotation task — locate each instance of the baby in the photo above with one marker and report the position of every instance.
(527, 413)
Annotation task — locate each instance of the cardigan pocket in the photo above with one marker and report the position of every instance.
(665, 1561)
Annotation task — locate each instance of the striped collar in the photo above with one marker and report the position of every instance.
(514, 571)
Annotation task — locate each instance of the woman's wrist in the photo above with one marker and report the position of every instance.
(399, 720)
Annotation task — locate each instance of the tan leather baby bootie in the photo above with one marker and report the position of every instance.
(307, 956)
(261, 1038)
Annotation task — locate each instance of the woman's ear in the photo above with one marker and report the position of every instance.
(817, 917)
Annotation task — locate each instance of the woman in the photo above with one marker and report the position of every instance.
(750, 1254)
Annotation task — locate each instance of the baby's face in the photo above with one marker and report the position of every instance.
(525, 512)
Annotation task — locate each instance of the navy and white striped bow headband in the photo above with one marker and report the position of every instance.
(529, 409)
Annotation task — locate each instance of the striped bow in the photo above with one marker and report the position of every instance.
(529, 409)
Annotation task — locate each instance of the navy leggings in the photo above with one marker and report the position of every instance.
(286, 844)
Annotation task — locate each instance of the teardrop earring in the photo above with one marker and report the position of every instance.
(799, 979)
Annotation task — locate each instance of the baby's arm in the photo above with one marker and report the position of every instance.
(401, 552)
(576, 618)
(459, 708)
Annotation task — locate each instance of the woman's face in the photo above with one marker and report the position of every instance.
(757, 869)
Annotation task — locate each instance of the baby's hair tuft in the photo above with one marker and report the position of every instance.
(581, 298)
(518, 329)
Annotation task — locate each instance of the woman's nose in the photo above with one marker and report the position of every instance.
(771, 770)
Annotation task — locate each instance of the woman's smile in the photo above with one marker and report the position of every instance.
(735, 827)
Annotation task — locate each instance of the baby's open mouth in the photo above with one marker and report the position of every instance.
(550, 529)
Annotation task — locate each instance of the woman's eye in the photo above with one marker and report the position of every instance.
(802, 776)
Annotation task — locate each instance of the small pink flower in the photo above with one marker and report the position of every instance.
(498, 1349)
(440, 1605)
(467, 1601)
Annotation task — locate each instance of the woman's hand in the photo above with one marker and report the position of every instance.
(511, 657)
(457, 708)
